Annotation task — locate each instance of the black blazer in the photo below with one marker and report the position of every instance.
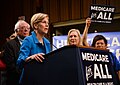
(10, 56)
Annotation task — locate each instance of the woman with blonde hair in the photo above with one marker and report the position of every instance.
(75, 38)
(35, 45)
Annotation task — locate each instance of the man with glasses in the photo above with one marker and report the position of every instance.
(11, 52)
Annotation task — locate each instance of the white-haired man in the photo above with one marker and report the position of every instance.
(11, 52)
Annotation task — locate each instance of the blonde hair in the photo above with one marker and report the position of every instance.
(38, 17)
(78, 32)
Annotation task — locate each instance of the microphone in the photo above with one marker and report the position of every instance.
(54, 47)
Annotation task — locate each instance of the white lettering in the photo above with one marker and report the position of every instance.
(108, 75)
(107, 9)
(96, 72)
(108, 38)
(93, 8)
(109, 16)
(95, 57)
(102, 73)
(115, 42)
(118, 54)
(105, 17)
(100, 16)
(60, 43)
(101, 83)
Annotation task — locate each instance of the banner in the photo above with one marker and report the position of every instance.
(102, 13)
(97, 67)
(112, 38)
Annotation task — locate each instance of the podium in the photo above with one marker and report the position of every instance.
(71, 65)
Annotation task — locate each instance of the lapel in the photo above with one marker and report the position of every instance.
(17, 42)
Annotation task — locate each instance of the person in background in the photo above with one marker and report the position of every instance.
(2, 69)
(75, 38)
(13, 36)
(99, 41)
(2, 64)
(11, 52)
(84, 36)
(35, 45)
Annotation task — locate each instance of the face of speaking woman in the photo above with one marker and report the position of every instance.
(43, 26)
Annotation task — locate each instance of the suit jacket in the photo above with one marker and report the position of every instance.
(10, 56)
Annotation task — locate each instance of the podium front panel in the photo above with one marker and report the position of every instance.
(71, 65)
(60, 67)
(98, 68)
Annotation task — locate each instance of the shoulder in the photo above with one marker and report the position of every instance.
(114, 57)
(112, 54)
(27, 42)
(13, 42)
(28, 38)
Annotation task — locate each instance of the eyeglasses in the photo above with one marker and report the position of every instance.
(24, 27)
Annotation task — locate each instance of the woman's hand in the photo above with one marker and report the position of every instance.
(38, 57)
(88, 22)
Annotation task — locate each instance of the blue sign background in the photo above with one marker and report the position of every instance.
(112, 37)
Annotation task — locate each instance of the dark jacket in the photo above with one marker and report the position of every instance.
(10, 56)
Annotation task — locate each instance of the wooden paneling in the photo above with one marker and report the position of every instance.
(46, 6)
(101, 2)
(75, 9)
(86, 7)
(64, 10)
(11, 10)
(58, 10)
(26, 11)
(55, 14)
(116, 3)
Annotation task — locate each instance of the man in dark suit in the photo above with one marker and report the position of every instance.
(11, 52)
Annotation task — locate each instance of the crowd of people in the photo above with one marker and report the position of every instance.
(24, 46)
(11, 53)
(99, 41)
